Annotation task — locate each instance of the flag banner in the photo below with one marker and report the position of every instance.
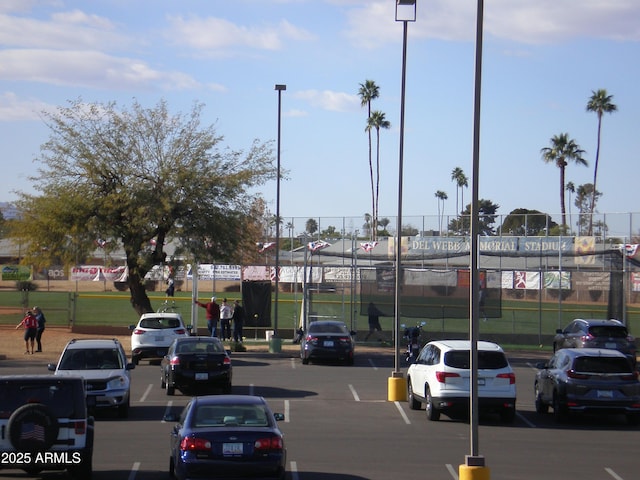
(368, 246)
(317, 245)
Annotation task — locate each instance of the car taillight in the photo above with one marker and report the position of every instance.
(192, 444)
(630, 376)
(587, 338)
(180, 331)
(442, 376)
(511, 376)
(138, 331)
(345, 340)
(269, 443)
(80, 427)
(226, 361)
(175, 360)
(312, 339)
(574, 374)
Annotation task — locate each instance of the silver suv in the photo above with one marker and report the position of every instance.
(440, 379)
(44, 425)
(153, 334)
(103, 364)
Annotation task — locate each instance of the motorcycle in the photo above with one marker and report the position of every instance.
(413, 336)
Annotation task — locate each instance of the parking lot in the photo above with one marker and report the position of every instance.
(340, 426)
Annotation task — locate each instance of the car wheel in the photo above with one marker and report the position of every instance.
(413, 403)
(560, 412)
(433, 413)
(163, 383)
(508, 415)
(30, 415)
(172, 469)
(169, 389)
(305, 361)
(135, 359)
(84, 469)
(633, 419)
(541, 407)
(123, 410)
(227, 388)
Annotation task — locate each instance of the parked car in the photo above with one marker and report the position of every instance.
(45, 413)
(103, 364)
(588, 380)
(439, 379)
(194, 364)
(226, 435)
(589, 333)
(154, 332)
(328, 340)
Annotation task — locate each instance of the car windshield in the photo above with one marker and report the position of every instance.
(59, 398)
(486, 360)
(200, 347)
(230, 415)
(327, 328)
(90, 359)
(609, 331)
(602, 365)
(159, 323)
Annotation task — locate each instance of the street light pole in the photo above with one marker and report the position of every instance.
(405, 12)
(276, 343)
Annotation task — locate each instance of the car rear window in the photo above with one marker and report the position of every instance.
(59, 398)
(229, 415)
(602, 365)
(327, 329)
(609, 331)
(160, 323)
(486, 360)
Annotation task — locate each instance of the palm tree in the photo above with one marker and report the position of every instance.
(376, 120)
(600, 103)
(461, 180)
(441, 196)
(369, 91)
(562, 150)
(571, 188)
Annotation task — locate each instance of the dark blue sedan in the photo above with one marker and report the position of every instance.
(227, 436)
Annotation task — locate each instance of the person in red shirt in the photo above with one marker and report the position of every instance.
(213, 315)
(30, 324)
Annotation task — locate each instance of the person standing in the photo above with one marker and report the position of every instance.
(238, 321)
(226, 312)
(40, 328)
(30, 325)
(213, 315)
(171, 288)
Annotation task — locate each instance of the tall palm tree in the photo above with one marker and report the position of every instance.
(441, 196)
(562, 150)
(461, 180)
(377, 120)
(600, 103)
(369, 91)
(571, 188)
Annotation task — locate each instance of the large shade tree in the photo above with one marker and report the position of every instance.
(141, 177)
(487, 213)
(562, 151)
(600, 103)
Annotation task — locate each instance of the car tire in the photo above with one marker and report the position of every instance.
(172, 468)
(84, 470)
(633, 419)
(135, 359)
(123, 410)
(34, 414)
(433, 413)
(170, 390)
(305, 361)
(508, 415)
(414, 404)
(541, 407)
(560, 412)
(163, 381)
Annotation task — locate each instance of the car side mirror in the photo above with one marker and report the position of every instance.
(170, 417)
(542, 366)
(130, 366)
(558, 330)
(132, 327)
(279, 417)
(51, 367)
(353, 333)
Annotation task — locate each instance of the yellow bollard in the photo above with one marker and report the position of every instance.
(466, 472)
(397, 389)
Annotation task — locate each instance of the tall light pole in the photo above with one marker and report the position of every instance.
(405, 13)
(275, 342)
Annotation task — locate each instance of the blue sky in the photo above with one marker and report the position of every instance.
(542, 59)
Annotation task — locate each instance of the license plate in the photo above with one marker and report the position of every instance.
(610, 345)
(202, 376)
(481, 381)
(159, 338)
(328, 343)
(605, 394)
(232, 448)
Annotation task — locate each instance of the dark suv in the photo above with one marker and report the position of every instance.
(610, 334)
(44, 425)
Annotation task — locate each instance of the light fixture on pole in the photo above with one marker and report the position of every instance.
(405, 12)
(275, 345)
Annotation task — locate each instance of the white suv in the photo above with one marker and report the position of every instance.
(440, 378)
(103, 364)
(153, 334)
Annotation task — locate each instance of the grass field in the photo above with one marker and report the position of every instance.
(114, 309)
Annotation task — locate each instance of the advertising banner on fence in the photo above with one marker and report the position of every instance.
(98, 273)
(18, 273)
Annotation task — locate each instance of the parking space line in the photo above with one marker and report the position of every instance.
(167, 410)
(146, 392)
(373, 365)
(354, 393)
(613, 474)
(293, 469)
(525, 420)
(134, 470)
(294, 362)
(452, 471)
(402, 412)
(287, 411)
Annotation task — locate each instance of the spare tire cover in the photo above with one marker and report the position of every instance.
(32, 428)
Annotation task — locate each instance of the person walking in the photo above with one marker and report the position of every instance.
(30, 325)
(40, 328)
(374, 321)
(213, 315)
(226, 313)
(238, 321)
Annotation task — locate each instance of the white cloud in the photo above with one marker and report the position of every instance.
(13, 108)
(329, 100)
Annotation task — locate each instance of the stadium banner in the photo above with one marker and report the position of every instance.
(512, 245)
(19, 273)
